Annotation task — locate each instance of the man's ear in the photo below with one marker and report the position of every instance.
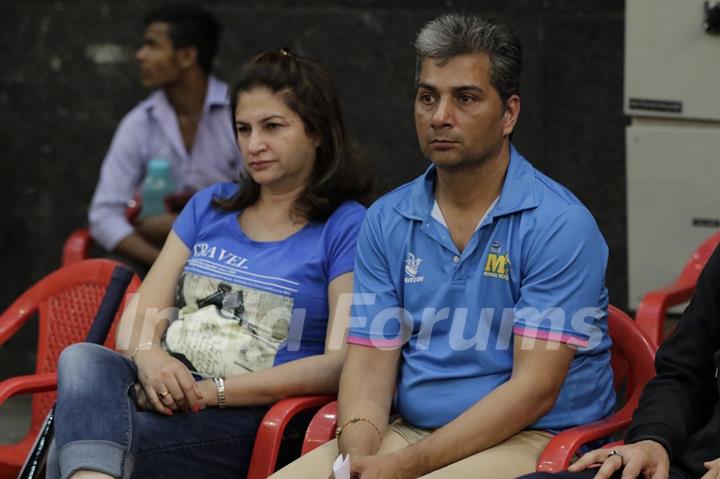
(186, 57)
(511, 114)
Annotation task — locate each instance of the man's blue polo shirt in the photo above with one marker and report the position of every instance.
(535, 268)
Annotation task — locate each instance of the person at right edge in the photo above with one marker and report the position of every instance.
(675, 432)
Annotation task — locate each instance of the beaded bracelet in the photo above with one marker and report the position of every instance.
(352, 420)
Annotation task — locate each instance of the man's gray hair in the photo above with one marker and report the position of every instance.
(456, 34)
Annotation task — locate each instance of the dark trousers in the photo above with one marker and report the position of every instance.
(675, 473)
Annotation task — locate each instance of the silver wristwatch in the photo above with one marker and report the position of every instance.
(220, 385)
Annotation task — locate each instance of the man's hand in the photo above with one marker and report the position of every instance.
(648, 458)
(713, 469)
(386, 466)
(138, 248)
(155, 228)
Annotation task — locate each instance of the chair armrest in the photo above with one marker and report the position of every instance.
(559, 452)
(31, 383)
(321, 428)
(651, 311)
(76, 246)
(270, 433)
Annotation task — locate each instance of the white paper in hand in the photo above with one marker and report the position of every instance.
(341, 467)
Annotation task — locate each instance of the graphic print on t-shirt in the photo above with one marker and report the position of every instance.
(225, 328)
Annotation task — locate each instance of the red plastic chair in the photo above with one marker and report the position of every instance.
(322, 428)
(650, 315)
(270, 434)
(77, 246)
(632, 352)
(66, 302)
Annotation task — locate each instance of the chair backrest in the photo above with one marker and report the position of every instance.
(632, 356)
(652, 310)
(77, 246)
(696, 262)
(65, 301)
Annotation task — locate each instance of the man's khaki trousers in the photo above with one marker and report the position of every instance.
(514, 457)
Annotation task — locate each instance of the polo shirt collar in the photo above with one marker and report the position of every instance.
(517, 194)
(216, 95)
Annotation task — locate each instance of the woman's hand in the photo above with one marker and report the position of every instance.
(167, 384)
(207, 388)
(648, 458)
(141, 398)
(713, 469)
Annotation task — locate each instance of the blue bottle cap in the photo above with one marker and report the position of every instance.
(158, 165)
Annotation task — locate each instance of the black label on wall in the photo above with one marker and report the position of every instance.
(655, 105)
(706, 222)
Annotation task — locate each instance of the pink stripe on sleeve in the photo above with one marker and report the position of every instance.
(560, 337)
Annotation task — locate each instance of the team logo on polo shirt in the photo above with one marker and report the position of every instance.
(412, 264)
(497, 264)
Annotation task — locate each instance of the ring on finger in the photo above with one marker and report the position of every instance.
(162, 395)
(617, 453)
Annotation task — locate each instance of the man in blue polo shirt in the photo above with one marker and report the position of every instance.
(480, 307)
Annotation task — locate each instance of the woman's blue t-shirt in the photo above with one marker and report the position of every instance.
(247, 305)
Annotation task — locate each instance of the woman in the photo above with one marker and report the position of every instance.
(259, 269)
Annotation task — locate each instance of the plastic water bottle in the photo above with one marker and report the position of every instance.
(157, 185)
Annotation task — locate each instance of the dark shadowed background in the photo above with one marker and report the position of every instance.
(68, 76)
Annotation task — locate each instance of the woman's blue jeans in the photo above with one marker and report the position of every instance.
(98, 426)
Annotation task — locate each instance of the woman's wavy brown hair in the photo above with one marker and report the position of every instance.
(339, 173)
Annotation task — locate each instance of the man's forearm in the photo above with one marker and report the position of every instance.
(155, 228)
(366, 390)
(138, 248)
(504, 412)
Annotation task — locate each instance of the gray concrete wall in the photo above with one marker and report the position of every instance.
(69, 76)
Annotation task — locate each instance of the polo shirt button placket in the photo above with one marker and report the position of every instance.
(456, 259)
